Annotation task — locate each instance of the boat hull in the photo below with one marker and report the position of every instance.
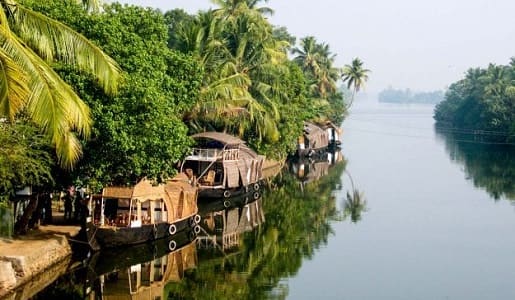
(110, 237)
(214, 194)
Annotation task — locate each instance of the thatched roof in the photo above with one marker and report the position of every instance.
(220, 137)
(311, 129)
(143, 190)
(329, 124)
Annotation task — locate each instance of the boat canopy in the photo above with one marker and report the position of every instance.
(221, 137)
(142, 191)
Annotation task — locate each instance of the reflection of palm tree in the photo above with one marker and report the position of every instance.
(355, 204)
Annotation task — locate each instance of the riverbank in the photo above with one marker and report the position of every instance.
(23, 261)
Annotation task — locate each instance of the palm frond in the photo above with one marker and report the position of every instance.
(54, 40)
(51, 103)
(13, 86)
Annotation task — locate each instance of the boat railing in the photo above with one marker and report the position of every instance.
(213, 154)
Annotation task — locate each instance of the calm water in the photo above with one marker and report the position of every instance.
(409, 213)
(434, 228)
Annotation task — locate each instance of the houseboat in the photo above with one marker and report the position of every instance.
(142, 213)
(313, 141)
(333, 132)
(222, 166)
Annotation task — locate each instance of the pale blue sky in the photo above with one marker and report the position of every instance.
(422, 45)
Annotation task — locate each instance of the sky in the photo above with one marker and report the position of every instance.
(415, 44)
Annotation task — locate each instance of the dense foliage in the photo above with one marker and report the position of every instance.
(29, 43)
(250, 87)
(139, 132)
(227, 69)
(25, 158)
(483, 101)
(392, 95)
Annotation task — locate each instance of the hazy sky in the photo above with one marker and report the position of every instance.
(422, 45)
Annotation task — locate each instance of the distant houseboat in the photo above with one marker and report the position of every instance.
(133, 215)
(313, 140)
(222, 166)
(333, 132)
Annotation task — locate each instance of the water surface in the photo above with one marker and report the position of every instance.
(404, 211)
(440, 216)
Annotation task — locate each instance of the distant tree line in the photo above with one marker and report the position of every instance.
(482, 102)
(392, 95)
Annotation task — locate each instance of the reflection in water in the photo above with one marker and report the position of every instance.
(489, 166)
(239, 254)
(136, 272)
(223, 228)
(355, 205)
(309, 169)
(253, 264)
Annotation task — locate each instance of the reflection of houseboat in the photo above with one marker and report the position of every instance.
(222, 229)
(132, 215)
(145, 277)
(308, 169)
(205, 207)
(222, 165)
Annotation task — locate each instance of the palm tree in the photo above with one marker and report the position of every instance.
(317, 62)
(29, 43)
(234, 7)
(355, 76)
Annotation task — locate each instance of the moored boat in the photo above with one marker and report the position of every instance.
(313, 140)
(222, 165)
(141, 213)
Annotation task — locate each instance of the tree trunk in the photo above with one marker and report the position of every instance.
(22, 225)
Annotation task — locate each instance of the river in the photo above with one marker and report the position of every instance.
(433, 228)
(408, 212)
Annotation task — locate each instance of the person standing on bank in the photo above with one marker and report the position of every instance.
(68, 205)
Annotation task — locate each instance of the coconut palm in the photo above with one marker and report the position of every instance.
(355, 76)
(29, 43)
(234, 7)
(317, 62)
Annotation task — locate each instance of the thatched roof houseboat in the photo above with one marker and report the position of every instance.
(334, 133)
(314, 139)
(222, 165)
(141, 213)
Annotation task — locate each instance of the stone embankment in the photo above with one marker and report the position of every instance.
(24, 262)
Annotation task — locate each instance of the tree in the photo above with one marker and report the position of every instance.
(482, 102)
(355, 76)
(30, 85)
(317, 62)
(24, 158)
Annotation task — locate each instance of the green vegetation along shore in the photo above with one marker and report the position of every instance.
(482, 103)
(392, 95)
(95, 97)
